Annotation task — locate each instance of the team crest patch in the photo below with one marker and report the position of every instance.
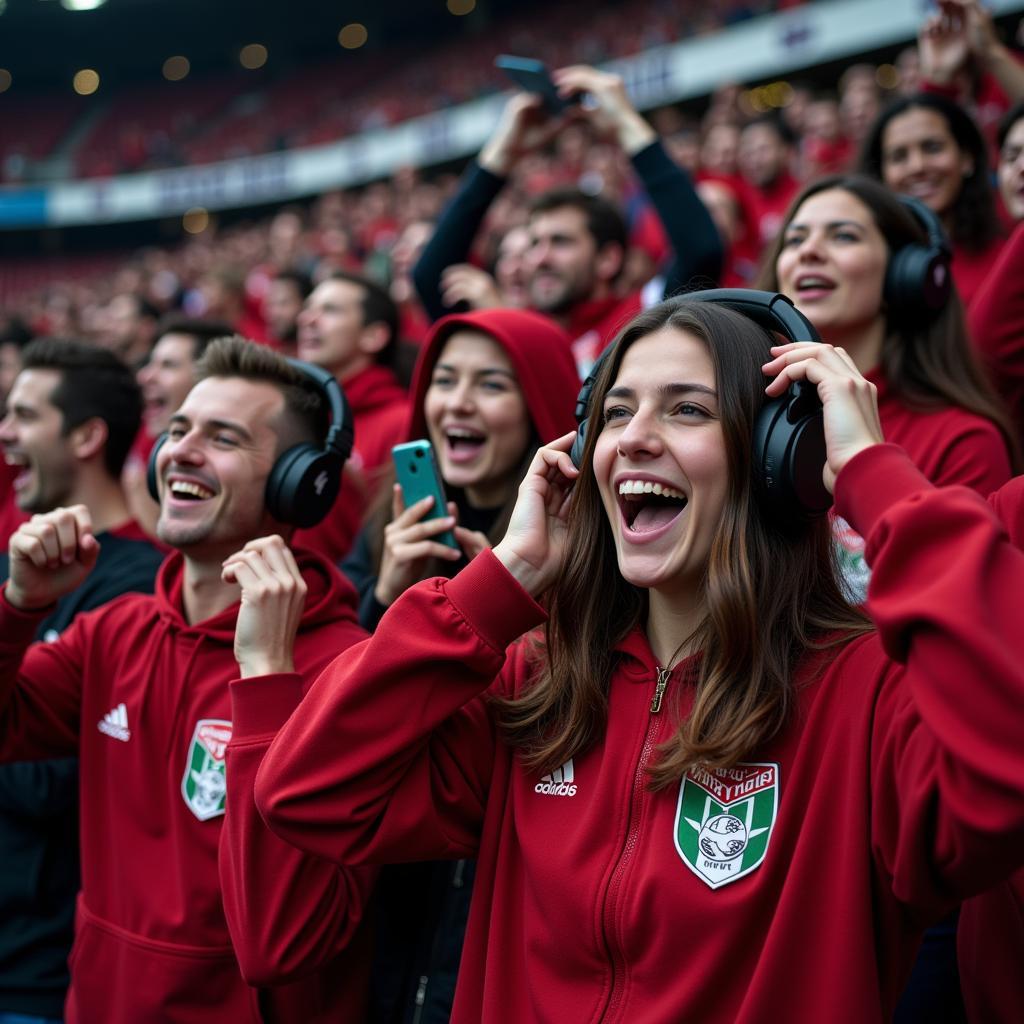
(724, 820)
(204, 784)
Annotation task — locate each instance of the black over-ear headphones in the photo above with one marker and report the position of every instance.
(304, 480)
(789, 434)
(918, 279)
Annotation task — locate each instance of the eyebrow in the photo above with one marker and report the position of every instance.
(479, 373)
(830, 224)
(236, 428)
(665, 390)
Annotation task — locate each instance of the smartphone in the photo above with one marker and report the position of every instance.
(532, 76)
(418, 475)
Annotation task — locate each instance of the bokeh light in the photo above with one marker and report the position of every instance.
(253, 56)
(176, 68)
(5, 79)
(196, 220)
(887, 76)
(86, 82)
(461, 7)
(352, 36)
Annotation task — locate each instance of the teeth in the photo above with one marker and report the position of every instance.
(813, 282)
(647, 487)
(185, 487)
(470, 435)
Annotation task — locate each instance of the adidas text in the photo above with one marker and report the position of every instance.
(555, 789)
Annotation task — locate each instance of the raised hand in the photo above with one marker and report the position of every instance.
(850, 401)
(273, 596)
(944, 43)
(462, 282)
(606, 105)
(524, 127)
(408, 544)
(533, 544)
(50, 556)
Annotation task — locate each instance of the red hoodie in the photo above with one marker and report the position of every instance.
(380, 408)
(539, 351)
(793, 888)
(143, 699)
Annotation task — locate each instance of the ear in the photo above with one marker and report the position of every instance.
(89, 438)
(609, 261)
(372, 338)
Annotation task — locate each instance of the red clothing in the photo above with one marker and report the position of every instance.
(539, 352)
(143, 698)
(971, 268)
(996, 323)
(380, 408)
(11, 517)
(769, 205)
(949, 445)
(594, 323)
(887, 796)
(990, 936)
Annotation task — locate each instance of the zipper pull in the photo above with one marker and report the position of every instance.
(659, 690)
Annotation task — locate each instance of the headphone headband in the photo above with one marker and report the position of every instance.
(340, 434)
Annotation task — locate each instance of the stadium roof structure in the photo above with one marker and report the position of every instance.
(44, 42)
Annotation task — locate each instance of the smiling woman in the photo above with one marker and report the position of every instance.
(836, 258)
(927, 147)
(704, 710)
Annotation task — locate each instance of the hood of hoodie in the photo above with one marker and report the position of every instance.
(330, 598)
(538, 349)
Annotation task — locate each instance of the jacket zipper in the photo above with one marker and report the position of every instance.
(659, 689)
(632, 835)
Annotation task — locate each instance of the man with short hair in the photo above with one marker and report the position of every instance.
(14, 336)
(349, 326)
(73, 410)
(578, 243)
(765, 151)
(286, 295)
(169, 701)
(130, 325)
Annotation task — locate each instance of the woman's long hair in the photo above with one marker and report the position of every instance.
(927, 362)
(974, 222)
(771, 589)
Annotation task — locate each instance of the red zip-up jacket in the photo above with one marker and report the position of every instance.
(180, 903)
(794, 888)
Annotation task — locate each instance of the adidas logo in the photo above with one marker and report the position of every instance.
(115, 723)
(558, 783)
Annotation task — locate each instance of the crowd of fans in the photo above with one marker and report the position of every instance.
(466, 310)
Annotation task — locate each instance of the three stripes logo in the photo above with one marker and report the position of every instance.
(115, 723)
(558, 783)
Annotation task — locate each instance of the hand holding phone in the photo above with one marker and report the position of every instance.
(421, 525)
(533, 76)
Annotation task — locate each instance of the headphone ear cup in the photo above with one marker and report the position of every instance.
(789, 456)
(302, 485)
(152, 481)
(900, 292)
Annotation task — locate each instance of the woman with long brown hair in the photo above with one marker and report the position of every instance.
(833, 258)
(709, 791)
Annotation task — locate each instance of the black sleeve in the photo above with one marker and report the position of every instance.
(360, 568)
(39, 789)
(696, 246)
(453, 236)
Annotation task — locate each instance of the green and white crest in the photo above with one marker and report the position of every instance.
(724, 820)
(204, 784)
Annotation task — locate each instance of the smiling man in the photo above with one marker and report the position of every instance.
(72, 411)
(187, 901)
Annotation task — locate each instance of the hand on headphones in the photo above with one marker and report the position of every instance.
(273, 596)
(409, 540)
(50, 556)
(850, 401)
(532, 546)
